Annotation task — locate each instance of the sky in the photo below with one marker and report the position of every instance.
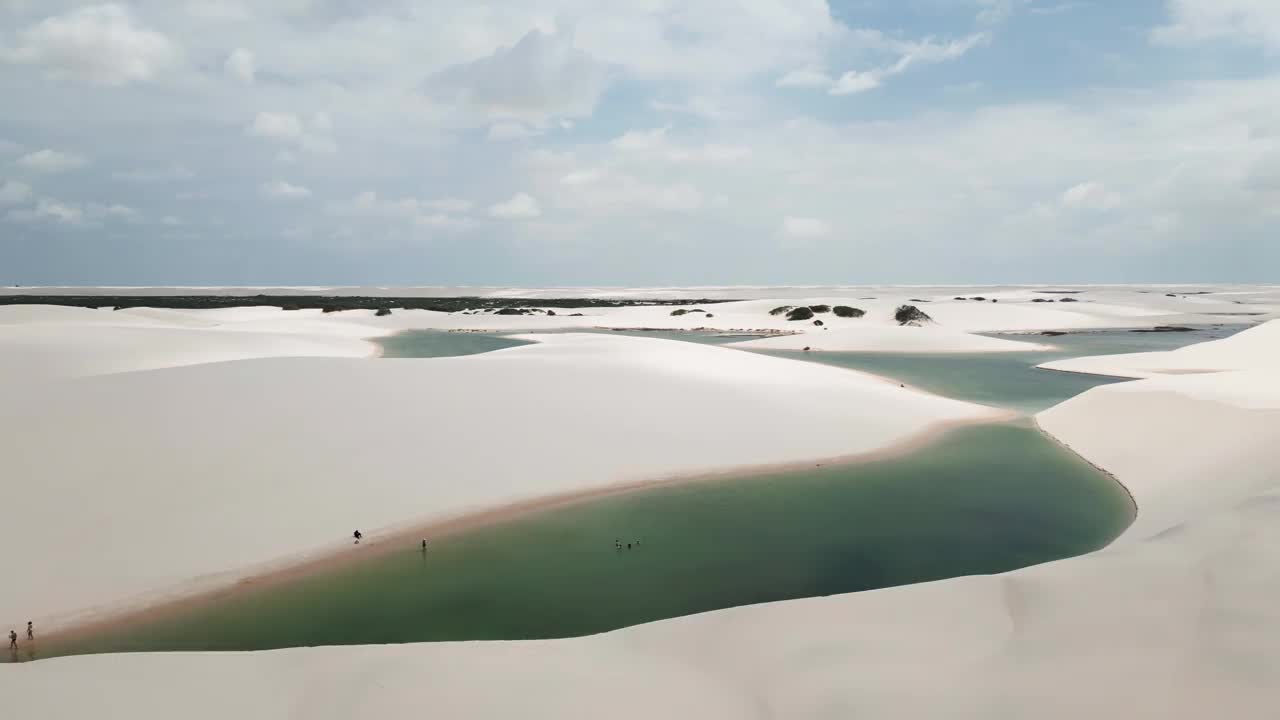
(639, 142)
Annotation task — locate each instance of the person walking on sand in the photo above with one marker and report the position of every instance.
(31, 634)
(13, 640)
(357, 536)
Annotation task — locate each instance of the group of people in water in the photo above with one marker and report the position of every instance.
(617, 544)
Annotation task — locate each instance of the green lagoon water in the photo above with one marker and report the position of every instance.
(1008, 380)
(1011, 379)
(982, 499)
(435, 343)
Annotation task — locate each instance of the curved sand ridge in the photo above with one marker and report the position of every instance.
(1178, 621)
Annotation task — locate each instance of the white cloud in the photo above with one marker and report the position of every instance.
(520, 206)
(657, 144)
(679, 197)
(600, 191)
(241, 66)
(13, 192)
(853, 82)
(113, 211)
(440, 213)
(710, 44)
(443, 221)
(287, 128)
(702, 107)
(1090, 195)
(509, 130)
(582, 177)
(218, 11)
(368, 203)
(726, 153)
(542, 76)
(450, 205)
(968, 88)
(803, 228)
(806, 77)
(922, 171)
(642, 140)
(713, 153)
(911, 54)
(98, 44)
(57, 211)
(283, 190)
(149, 175)
(276, 126)
(47, 209)
(52, 161)
(318, 144)
(1250, 22)
(1058, 9)
(994, 12)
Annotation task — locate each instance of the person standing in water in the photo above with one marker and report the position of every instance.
(31, 634)
(357, 536)
(424, 545)
(13, 640)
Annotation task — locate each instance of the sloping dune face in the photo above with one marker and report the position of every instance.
(42, 343)
(1257, 347)
(1177, 620)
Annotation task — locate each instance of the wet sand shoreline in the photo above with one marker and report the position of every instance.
(380, 542)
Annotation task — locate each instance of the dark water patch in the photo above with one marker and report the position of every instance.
(981, 499)
(435, 343)
(701, 337)
(439, 343)
(1006, 380)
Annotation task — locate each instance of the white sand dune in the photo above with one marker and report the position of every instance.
(1257, 347)
(34, 352)
(49, 342)
(1178, 620)
(216, 459)
(1183, 445)
(41, 342)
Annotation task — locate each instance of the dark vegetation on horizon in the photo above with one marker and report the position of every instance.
(911, 315)
(328, 303)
